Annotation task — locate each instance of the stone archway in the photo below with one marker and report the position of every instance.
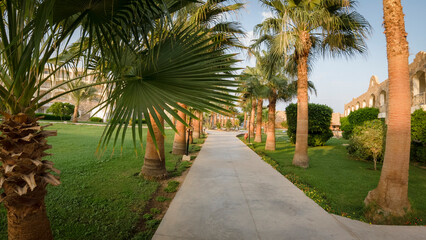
(364, 104)
(382, 98)
(372, 101)
(357, 106)
(419, 88)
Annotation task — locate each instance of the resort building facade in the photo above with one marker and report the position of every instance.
(377, 93)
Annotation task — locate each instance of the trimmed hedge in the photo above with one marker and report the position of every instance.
(357, 118)
(96, 119)
(318, 125)
(53, 117)
(418, 136)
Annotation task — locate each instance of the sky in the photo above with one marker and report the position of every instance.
(338, 80)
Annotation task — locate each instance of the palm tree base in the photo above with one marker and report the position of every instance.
(257, 138)
(386, 210)
(154, 169)
(270, 147)
(179, 148)
(301, 160)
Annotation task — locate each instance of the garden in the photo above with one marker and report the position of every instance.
(103, 197)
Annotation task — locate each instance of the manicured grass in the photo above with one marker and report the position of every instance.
(341, 181)
(99, 198)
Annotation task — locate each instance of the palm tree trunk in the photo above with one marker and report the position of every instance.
(270, 136)
(23, 139)
(301, 152)
(258, 137)
(75, 114)
(252, 117)
(245, 119)
(201, 124)
(191, 133)
(196, 126)
(154, 166)
(179, 144)
(391, 194)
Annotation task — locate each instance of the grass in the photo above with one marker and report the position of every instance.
(99, 198)
(337, 182)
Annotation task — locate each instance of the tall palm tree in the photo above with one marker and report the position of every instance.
(258, 134)
(31, 33)
(391, 194)
(304, 28)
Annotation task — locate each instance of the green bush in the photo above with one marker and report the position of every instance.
(346, 127)
(284, 124)
(357, 118)
(52, 117)
(61, 109)
(96, 119)
(318, 125)
(228, 124)
(418, 136)
(368, 140)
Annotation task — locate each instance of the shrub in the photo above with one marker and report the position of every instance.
(52, 117)
(96, 119)
(357, 118)
(346, 127)
(284, 124)
(218, 125)
(318, 125)
(61, 109)
(367, 141)
(418, 136)
(228, 124)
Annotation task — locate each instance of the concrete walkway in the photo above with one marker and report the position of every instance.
(230, 193)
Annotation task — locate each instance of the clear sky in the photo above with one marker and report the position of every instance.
(339, 80)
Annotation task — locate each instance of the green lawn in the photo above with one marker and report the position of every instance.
(98, 198)
(338, 182)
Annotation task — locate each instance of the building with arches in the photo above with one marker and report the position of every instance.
(377, 93)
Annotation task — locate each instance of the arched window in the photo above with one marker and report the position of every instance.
(372, 101)
(357, 106)
(364, 104)
(382, 98)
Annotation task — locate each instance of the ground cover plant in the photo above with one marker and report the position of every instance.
(337, 182)
(99, 198)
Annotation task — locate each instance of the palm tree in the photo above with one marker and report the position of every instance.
(179, 142)
(82, 93)
(303, 28)
(154, 165)
(258, 136)
(391, 194)
(31, 34)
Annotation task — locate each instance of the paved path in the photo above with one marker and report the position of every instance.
(230, 193)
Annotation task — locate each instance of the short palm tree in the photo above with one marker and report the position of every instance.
(304, 28)
(80, 92)
(181, 69)
(31, 33)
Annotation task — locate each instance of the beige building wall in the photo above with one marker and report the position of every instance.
(377, 93)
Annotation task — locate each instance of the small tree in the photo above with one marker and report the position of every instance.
(228, 125)
(61, 109)
(370, 137)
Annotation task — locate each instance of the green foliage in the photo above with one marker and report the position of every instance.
(96, 119)
(61, 109)
(52, 117)
(418, 136)
(357, 118)
(318, 125)
(171, 186)
(147, 216)
(418, 126)
(346, 127)
(228, 124)
(155, 211)
(162, 199)
(367, 141)
(218, 125)
(284, 124)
